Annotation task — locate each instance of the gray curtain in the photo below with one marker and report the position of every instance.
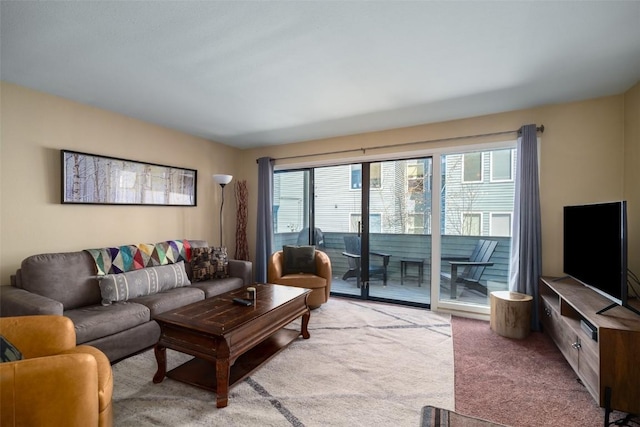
(526, 243)
(264, 236)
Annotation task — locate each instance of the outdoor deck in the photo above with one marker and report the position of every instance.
(411, 292)
(403, 246)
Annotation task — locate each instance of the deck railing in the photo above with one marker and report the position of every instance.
(412, 246)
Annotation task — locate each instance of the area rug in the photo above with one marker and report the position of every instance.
(365, 364)
(438, 417)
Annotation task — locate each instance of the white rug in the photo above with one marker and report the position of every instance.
(366, 364)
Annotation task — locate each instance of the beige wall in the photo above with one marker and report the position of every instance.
(581, 156)
(632, 172)
(590, 152)
(35, 126)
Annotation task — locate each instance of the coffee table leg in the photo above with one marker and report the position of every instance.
(222, 382)
(161, 358)
(305, 324)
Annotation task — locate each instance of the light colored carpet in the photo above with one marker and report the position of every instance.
(365, 364)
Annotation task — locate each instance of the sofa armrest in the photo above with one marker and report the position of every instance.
(274, 267)
(105, 378)
(323, 267)
(241, 269)
(18, 302)
(53, 390)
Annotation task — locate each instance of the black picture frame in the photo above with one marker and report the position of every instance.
(102, 180)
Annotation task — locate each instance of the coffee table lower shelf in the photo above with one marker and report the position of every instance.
(202, 373)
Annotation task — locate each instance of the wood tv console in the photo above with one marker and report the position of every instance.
(603, 349)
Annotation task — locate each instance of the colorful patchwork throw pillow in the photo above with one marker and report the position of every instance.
(209, 263)
(125, 258)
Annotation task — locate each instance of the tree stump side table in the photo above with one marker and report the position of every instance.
(511, 314)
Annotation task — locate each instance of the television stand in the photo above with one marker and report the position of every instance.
(606, 365)
(610, 306)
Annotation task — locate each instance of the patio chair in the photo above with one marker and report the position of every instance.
(352, 252)
(473, 267)
(316, 277)
(318, 238)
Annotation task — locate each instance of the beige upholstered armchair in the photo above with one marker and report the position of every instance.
(319, 283)
(56, 383)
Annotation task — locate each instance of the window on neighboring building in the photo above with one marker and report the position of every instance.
(415, 224)
(472, 167)
(502, 165)
(415, 178)
(375, 222)
(471, 224)
(500, 224)
(375, 178)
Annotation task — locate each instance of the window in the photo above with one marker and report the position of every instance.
(502, 165)
(375, 178)
(471, 224)
(376, 175)
(415, 178)
(472, 167)
(375, 223)
(500, 224)
(415, 224)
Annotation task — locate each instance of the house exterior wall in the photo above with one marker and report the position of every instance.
(337, 203)
(485, 197)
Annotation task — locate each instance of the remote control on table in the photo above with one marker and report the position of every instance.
(242, 301)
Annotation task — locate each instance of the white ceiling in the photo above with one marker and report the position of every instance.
(254, 73)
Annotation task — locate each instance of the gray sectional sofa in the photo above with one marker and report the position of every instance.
(67, 284)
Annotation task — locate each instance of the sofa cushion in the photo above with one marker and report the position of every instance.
(168, 300)
(215, 287)
(209, 263)
(148, 281)
(299, 259)
(309, 281)
(65, 277)
(99, 321)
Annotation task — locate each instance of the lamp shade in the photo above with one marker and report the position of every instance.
(222, 179)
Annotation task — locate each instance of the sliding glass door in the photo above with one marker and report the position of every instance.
(389, 235)
(399, 251)
(372, 219)
(292, 208)
(476, 204)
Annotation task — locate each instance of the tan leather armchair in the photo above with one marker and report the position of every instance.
(57, 383)
(319, 283)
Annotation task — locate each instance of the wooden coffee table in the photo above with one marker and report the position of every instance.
(230, 341)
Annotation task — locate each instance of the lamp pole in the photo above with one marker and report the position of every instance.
(221, 205)
(222, 180)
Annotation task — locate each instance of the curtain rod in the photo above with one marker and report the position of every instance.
(405, 144)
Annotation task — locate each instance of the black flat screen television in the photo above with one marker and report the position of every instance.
(595, 249)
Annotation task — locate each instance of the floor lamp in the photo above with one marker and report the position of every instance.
(222, 180)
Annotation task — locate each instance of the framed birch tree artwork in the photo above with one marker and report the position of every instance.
(94, 179)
